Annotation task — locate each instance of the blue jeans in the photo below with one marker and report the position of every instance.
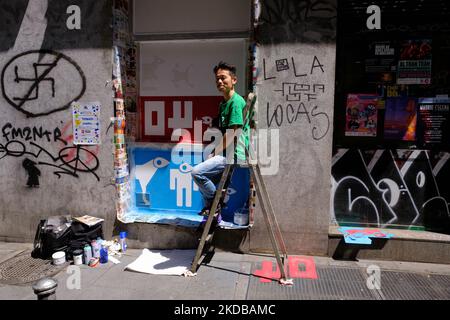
(206, 175)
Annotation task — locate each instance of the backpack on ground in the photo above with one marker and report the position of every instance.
(52, 235)
(61, 233)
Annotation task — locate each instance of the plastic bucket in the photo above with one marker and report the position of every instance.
(59, 258)
(241, 219)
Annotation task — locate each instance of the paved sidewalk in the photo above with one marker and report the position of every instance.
(229, 276)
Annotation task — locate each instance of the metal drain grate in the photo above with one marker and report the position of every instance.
(23, 269)
(411, 286)
(333, 283)
(340, 283)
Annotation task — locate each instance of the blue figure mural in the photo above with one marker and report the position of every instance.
(163, 191)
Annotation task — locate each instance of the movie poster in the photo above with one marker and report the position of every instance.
(414, 65)
(361, 115)
(400, 118)
(433, 121)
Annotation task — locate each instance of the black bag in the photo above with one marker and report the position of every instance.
(60, 233)
(52, 235)
(82, 234)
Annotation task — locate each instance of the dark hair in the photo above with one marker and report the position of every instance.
(225, 66)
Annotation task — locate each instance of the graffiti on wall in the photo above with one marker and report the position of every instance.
(299, 96)
(386, 188)
(296, 21)
(41, 82)
(30, 142)
(38, 82)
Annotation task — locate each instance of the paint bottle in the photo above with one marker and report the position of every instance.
(103, 255)
(95, 249)
(123, 241)
(87, 253)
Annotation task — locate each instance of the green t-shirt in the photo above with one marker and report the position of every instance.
(230, 114)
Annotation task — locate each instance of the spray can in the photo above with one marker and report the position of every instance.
(87, 253)
(95, 249)
(103, 255)
(123, 241)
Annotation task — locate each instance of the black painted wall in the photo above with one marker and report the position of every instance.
(95, 15)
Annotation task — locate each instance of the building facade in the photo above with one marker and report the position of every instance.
(352, 117)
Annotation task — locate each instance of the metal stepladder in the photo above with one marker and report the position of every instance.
(276, 237)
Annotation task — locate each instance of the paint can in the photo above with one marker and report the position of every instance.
(59, 258)
(241, 219)
(78, 257)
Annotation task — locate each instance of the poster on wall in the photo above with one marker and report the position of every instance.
(86, 123)
(381, 63)
(414, 65)
(361, 115)
(400, 118)
(433, 121)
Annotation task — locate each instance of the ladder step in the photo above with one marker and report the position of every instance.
(208, 238)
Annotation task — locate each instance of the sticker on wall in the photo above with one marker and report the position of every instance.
(86, 122)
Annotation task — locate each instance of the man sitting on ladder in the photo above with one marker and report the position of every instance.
(231, 122)
(234, 121)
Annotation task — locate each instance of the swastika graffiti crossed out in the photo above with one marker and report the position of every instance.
(40, 82)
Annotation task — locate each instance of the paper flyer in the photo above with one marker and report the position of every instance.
(400, 118)
(414, 65)
(433, 121)
(86, 123)
(381, 64)
(361, 115)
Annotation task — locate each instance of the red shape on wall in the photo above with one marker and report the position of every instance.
(269, 270)
(160, 116)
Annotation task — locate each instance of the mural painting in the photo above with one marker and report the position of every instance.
(163, 191)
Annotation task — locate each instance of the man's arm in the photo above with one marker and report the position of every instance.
(227, 139)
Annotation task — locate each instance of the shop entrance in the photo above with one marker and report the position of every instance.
(178, 45)
(391, 127)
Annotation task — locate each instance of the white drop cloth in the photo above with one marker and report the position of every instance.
(169, 262)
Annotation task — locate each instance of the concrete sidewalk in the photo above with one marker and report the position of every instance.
(230, 276)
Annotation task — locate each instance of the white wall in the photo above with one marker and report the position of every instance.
(185, 67)
(178, 16)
